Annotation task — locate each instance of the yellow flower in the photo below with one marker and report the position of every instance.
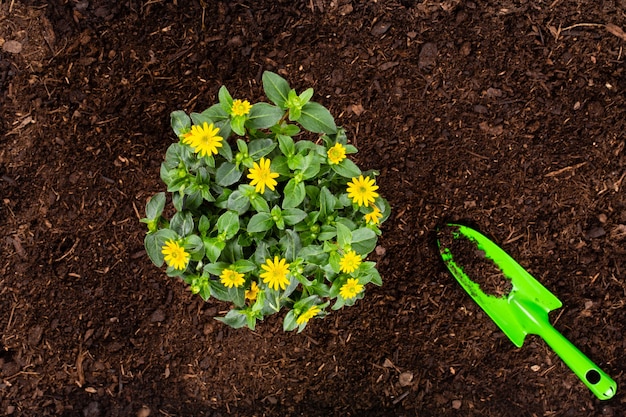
(275, 274)
(204, 139)
(362, 191)
(374, 216)
(187, 137)
(175, 255)
(262, 176)
(307, 315)
(240, 108)
(336, 154)
(349, 262)
(351, 288)
(231, 278)
(253, 292)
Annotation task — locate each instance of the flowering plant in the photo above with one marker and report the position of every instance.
(262, 220)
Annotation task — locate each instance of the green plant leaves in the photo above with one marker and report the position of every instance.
(260, 222)
(317, 118)
(263, 116)
(154, 242)
(227, 174)
(276, 88)
(228, 224)
(294, 194)
(181, 123)
(304, 217)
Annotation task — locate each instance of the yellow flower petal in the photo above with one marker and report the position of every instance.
(262, 176)
(351, 288)
(374, 216)
(349, 262)
(204, 139)
(175, 255)
(231, 278)
(240, 108)
(253, 292)
(362, 190)
(336, 154)
(275, 275)
(307, 315)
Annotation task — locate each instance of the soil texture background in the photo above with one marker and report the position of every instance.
(507, 114)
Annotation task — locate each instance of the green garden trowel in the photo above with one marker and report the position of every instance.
(524, 309)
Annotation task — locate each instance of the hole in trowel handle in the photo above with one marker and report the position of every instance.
(593, 376)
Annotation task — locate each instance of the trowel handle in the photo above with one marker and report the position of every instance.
(595, 378)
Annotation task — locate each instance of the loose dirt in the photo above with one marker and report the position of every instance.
(507, 113)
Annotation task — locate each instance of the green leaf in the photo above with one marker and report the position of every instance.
(227, 174)
(205, 290)
(244, 266)
(339, 303)
(311, 167)
(280, 165)
(306, 95)
(290, 244)
(263, 116)
(237, 124)
(204, 224)
(375, 277)
(224, 133)
(316, 118)
(194, 245)
(193, 197)
(215, 268)
(344, 236)
(181, 123)
(295, 113)
(213, 248)
(155, 206)
(293, 216)
(199, 119)
(228, 223)
(182, 223)
(239, 202)
(295, 161)
(237, 295)
(242, 146)
(327, 232)
(260, 222)
(260, 147)
(259, 203)
(234, 319)
(346, 168)
(276, 88)
(327, 202)
(154, 244)
(320, 289)
(289, 322)
(314, 254)
(215, 113)
(225, 99)
(218, 290)
(363, 240)
(286, 145)
(251, 320)
(294, 194)
(334, 260)
(285, 129)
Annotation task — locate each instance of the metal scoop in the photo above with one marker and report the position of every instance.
(524, 310)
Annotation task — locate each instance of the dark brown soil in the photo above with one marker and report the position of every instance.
(509, 114)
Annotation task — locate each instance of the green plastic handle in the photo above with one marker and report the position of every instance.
(588, 372)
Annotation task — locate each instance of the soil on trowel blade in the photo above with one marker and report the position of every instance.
(475, 263)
